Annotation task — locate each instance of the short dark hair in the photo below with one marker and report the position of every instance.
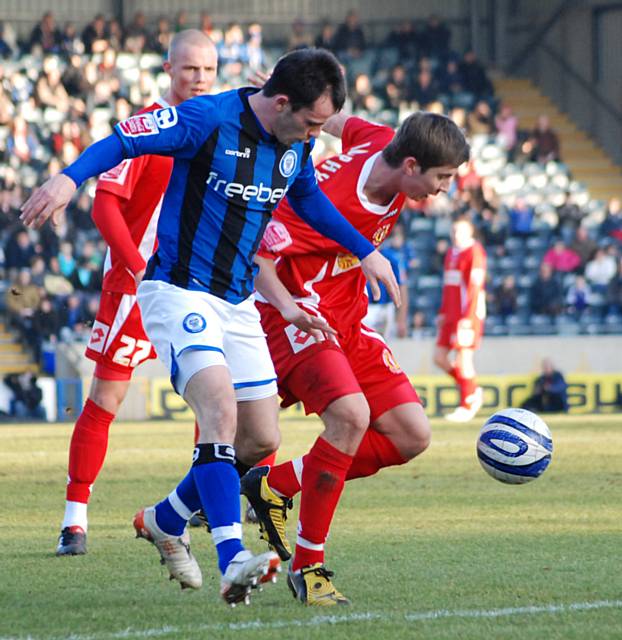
(306, 74)
(433, 139)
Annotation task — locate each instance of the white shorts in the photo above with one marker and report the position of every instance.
(210, 331)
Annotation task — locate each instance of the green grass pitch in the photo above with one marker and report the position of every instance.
(433, 549)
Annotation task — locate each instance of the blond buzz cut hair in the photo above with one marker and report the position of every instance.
(188, 36)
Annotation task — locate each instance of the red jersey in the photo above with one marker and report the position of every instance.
(463, 284)
(319, 273)
(140, 184)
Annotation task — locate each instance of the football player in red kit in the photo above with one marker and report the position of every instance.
(126, 209)
(461, 316)
(311, 295)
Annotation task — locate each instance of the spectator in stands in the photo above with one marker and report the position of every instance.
(600, 270)
(94, 35)
(614, 292)
(350, 42)
(6, 50)
(18, 251)
(326, 37)
(583, 245)
(474, 76)
(521, 217)
(71, 42)
(569, 217)
(232, 53)
(56, 285)
(162, 36)
(397, 88)
(114, 34)
(66, 259)
(480, 121)
(86, 275)
(506, 124)
(206, 25)
(543, 143)
(505, 297)
(49, 90)
(434, 39)
(419, 325)
(546, 294)
(255, 54)
(299, 36)
(425, 89)
(22, 300)
(453, 91)
(27, 395)
(181, 20)
(45, 37)
(137, 36)
(21, 143)
(492, 227)
(72, 317)
(578, 297)
(612, 224)
(37, 271)
(46, 326)
(437, 262)
(363, 96)
(404, 38)
(561, 258)
(549, 391)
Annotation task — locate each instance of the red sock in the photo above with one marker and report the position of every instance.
(267, 461)
(375, 452)
(454, 372)
(323, 477)
(467, 387)
(283, 478)
(87, 451)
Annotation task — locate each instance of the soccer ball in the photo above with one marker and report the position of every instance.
(514, 446)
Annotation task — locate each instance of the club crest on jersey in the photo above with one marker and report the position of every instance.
(287, 166)
(194, 323)
(276, 237)
(344, 262)
(143, 124)
(380, 234)
(389, 360)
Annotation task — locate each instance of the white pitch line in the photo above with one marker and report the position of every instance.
(317, 621)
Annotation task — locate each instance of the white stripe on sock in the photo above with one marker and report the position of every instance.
(298, 465)
(231, 532)
(305, 544)
(179, 506)
(75, 515)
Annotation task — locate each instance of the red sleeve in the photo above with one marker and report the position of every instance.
(357, 131)
(475, 282)
(109, 219)
(121, 180)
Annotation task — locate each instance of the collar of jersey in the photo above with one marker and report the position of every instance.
(244, 93)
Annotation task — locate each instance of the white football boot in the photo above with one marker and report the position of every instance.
(246, 572)
(466, 413)
(174, 550)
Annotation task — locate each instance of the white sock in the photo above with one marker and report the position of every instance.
(75, 515)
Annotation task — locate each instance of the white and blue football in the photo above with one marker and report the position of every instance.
(515, 446)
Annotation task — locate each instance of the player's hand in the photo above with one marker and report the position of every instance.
(377, 268)
(317, 328)
(50, 199)
(259, 78)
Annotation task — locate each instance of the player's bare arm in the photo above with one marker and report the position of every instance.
(335, 124)
(48, 200)
(273, 290)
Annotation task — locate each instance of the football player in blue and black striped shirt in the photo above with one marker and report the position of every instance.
(236, 156)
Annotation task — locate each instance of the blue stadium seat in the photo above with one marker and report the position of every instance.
(567, 326)
(542, 325)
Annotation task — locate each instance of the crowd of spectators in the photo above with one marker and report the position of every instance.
(61, 88)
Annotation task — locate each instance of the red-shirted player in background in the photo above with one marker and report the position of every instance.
(323, 355)
(126, 208)
(461, 316)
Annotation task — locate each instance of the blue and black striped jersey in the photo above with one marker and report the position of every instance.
(228, 176)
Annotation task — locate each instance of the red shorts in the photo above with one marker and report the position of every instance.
(118, 342)
(318, 373)
(449, 337)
